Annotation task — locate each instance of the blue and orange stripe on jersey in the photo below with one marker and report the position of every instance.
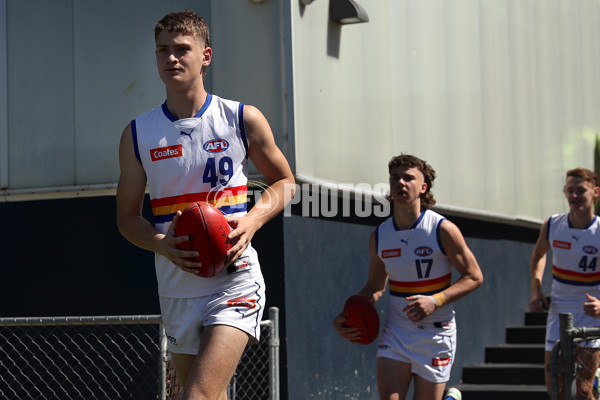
(425, 287)
(228, 200)
(575, 278)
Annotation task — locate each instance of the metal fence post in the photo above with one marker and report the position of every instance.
(274, 353)
(162, 364)
(568, 358)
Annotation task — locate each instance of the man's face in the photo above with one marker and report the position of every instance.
(580, 194)
(406, 185)
(180, 58)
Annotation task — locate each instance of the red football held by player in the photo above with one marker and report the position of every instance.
(207, 230)
(360, 313)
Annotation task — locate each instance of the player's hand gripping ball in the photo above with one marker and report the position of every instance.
(360, 313)
(207, 229)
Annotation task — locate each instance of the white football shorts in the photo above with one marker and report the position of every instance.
(241, 306)
(429, 347)
(580, 319)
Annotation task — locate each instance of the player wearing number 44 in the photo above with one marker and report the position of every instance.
(194, 147)
(574, 238)
(414, 251)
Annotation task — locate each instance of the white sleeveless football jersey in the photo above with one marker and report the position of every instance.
(203, 158)
(415, 261)
(575, 268)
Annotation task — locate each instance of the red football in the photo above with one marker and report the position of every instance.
(360, 313)
(207, 229)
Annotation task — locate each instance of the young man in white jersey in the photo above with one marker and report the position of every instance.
(574, 238)
(195, 147)
(419, 334)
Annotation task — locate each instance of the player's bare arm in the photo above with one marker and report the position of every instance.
(271, 163)
(130, 198)
(373, 290)
(378, 277)
(537, 264)
(462, 258)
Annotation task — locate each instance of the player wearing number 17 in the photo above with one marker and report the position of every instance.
(193, 148)
(414, 251)
(574, 238)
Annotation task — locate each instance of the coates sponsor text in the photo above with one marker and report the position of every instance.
(163, 153)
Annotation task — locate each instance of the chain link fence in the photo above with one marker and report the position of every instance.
(115, 357)
(575, 362)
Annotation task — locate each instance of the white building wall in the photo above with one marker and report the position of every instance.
(501, 97)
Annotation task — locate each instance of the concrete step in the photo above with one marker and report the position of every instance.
(513, 370)
(536, 318)
(503, 392)
(504, 374)
(532, 334)
(515, 353)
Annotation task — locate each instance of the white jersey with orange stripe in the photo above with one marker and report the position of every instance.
(415, 261)
(203, 158)
(575, 268)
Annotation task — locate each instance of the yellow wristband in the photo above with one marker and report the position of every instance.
(536, 284)
(439, 299)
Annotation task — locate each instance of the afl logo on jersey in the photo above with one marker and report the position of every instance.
(590, 250)
(423, 251)
(216, 145)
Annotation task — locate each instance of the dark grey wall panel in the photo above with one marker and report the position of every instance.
(67, 258)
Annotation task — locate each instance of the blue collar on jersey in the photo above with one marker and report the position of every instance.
(198, 114)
